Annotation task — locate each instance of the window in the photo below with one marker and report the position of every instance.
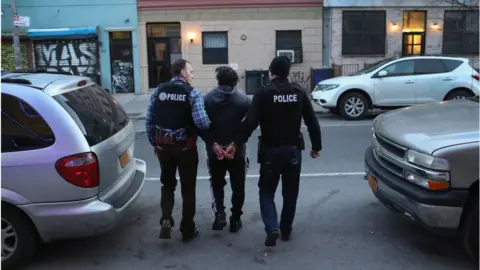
(288, 42)
(451, 65)
(363, 33)
(215, 48)
(23, 128)
(429, 66)
(460, 32)
(163, 30)
(95, 111)
(401, 68)
(414, 21)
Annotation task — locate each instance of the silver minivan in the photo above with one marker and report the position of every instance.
(68, 168)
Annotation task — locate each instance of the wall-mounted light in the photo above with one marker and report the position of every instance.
(191, 37)
(435, 26)
(394, 26)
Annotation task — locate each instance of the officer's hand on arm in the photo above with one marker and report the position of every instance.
(252, 119)
(199, 115)
(313, 126)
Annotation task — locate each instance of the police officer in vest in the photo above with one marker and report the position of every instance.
(279, 108)
(175, 116)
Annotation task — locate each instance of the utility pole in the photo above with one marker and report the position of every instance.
(16, 38)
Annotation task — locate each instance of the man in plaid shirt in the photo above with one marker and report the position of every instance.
(175, 115)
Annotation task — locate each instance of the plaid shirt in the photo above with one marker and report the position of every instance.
(199, 115)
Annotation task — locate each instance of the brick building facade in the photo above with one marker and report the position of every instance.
(243, 34)
(402, 28)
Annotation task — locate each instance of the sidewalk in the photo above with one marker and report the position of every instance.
(136, 105)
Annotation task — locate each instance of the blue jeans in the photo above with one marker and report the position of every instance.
(285, 161)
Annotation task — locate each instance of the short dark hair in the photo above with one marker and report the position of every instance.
(226, 76)
(178, 66)
(280, 66)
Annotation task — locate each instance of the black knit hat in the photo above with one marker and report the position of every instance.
(280, 66)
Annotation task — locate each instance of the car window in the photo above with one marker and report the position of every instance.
(23, 128)
(429, 66)
(400, 68)
(451, 65)
(96, 112)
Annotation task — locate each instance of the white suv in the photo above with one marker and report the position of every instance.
(398, 82)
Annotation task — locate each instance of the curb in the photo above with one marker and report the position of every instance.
(137, 117)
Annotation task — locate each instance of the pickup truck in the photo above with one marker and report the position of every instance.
(423, 163)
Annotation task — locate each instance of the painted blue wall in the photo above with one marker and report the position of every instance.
(82, 13)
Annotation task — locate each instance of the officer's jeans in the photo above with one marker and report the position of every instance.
(172, 157)
(237, 169)
(285, 162)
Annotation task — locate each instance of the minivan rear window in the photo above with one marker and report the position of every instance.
(96, 112)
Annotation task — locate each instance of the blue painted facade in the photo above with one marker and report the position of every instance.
(104, 15)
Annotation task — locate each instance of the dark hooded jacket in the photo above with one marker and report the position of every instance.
(226, 107)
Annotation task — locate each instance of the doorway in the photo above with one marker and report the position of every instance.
(413, 43)
(164, 47)
(414, 28)
(158, 62)
(121, 58)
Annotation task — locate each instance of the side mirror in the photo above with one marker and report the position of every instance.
(382, 73)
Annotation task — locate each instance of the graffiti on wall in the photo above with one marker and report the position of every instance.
(302, 78)
(122, 76)
(78, 57)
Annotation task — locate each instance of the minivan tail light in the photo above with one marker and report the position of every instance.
(477, 77)
(82, 83)
(80, 170)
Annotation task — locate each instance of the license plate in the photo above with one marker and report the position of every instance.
(372, 182)
(124, 158)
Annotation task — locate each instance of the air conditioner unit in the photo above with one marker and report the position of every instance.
(288, 53)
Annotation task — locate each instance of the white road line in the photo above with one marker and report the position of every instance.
(306, 175)
(303, 126)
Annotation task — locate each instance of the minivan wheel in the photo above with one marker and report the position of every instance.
(458, 94)
(353, 106)
(469, 230)
(19, 238)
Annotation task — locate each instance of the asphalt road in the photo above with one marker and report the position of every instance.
(339, 225)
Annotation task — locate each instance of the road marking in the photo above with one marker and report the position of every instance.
(303, 126)
(306, 175)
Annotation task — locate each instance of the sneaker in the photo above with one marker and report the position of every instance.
(187, 237)
(166, 230)
(220, 221)
(271, 240)
(235, 224)
(285, 236)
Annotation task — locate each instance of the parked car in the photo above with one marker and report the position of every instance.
(68, 168)
(398, 82)
(424, 162)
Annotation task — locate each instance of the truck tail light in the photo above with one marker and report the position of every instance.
(81, 170)
(477, 77)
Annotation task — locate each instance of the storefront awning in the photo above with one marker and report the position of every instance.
(55, 33)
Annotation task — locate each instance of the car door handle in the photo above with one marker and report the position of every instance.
(409, 82)
(447, 79)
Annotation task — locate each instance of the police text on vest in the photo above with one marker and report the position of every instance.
(284, 98)
(172, 97)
